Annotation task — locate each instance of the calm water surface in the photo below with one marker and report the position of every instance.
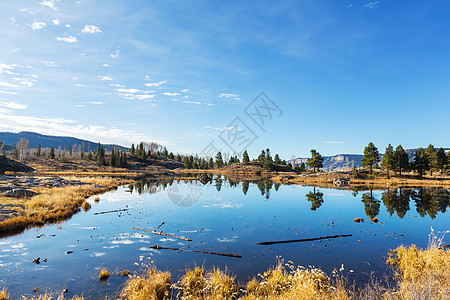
(220, 216)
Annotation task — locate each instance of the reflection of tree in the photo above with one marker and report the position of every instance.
(277, 186)
(431, 200)
(316, 199)
(396, 201)
(265, 186)
(371, 205)
(245, 186)
(218, 185)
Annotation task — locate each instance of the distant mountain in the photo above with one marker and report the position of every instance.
(346, 161)
(48, 141)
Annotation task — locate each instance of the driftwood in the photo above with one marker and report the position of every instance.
(110, 211)
(304, 240)
(164, 234)
(197, 251)
(160, 225)
(444, 247)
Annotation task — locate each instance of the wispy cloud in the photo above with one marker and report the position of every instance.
(171, 94)
(132, 91)
(333, 142)
(115, 55)
(50, 63)
(68, 39)
(371, 5)
(8, 85)
(13, 105)
(107, 78)
(154, 84)
(230, 96)
(95, 102)
(38, 25)
(49, 3)
(8, 92)
(56, 22)
(185, 91)
(192, 102)
(92, 29)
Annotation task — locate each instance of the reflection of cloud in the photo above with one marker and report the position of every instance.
(110, 247)
(228, 240)
(165, 239)
(123, 242)
(224, 205)
(98, 254)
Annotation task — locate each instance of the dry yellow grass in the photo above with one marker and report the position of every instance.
(4, 294)
(421, 274)
(104, 274)
(152, 285)
(55, 204)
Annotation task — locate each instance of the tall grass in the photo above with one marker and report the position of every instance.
(4, 294)
(152, 285)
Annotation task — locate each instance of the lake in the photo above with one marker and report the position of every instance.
(225, 217)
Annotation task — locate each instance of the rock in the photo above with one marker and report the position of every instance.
(357, 220)
(37, 261)
(375, 220)
(20, 193)
(340, 182)
(69, 252)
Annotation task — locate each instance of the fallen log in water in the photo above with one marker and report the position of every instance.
(164, 234)
(198, 251)
(304, 240)
(110, 211)
(161, 225)
(444, 247)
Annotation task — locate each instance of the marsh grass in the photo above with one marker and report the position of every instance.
(104, 275)
(56, 204)
(151, 285)
(85, 206)
(4, 294)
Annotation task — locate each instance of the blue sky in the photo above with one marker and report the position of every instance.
(343, 73)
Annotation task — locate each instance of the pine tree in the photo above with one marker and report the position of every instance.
(219, 160)
(302, 167)
(171, 156)
(401, 160)
(187, 163)
(432, 158)
(178, 157)
(132, 149)
(448, 159)
(51, 154)
(38, 151)
(371, 156)
(262, 156)
(112, 158)
(99, 149)
(245, 157)
(276, 159)
(388, 159)
(297, 168)
(211, 163)
(441, 159)
(268, 162)
(316, 161)
(89, 156)
(289, 165)
(421, 162)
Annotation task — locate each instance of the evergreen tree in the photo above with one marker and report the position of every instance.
(268, 162)
(51, 154)
(432, 158)
(388, 159)
(289, 165)
(276, 159)
(165, 152)
(283, 163)
(421, 162)
(219, 160)
(178, 157)
(89, 156)
(448, 159)
(401, 160)
(99, 149)
(187, 163)
(371, 156)
(4, 154)
(297, 168)
(132, 149)
(112, 158)
(171, 156)
(38, 151)
(211, 163)
(245, 157)
(316, 161)
(441, 159)
(302, 167)
(262, 156)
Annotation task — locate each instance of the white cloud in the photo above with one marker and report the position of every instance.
(37, 25)
(333, 142)
(116, 55)
(106, 65)
(56, 22)
(117, 85)
(230, 96)
(151, 84)
(8, 85)
(8, 92)
(13, 105)
(69, 39)
(91, 29)
(131, 96)
(172, 94)
(371, 5)
(13, 20)
(95, 102)
(4, 67)
(50, 63)
(192, 102)
(49, 3)
(105, 78)
(68, 26)
(27, 83)
(185, 90)
(80, 85)
(132, 91)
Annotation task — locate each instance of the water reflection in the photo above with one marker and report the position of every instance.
(316, 199)
(429, 201)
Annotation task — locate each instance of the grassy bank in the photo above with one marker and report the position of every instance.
(56, 204)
